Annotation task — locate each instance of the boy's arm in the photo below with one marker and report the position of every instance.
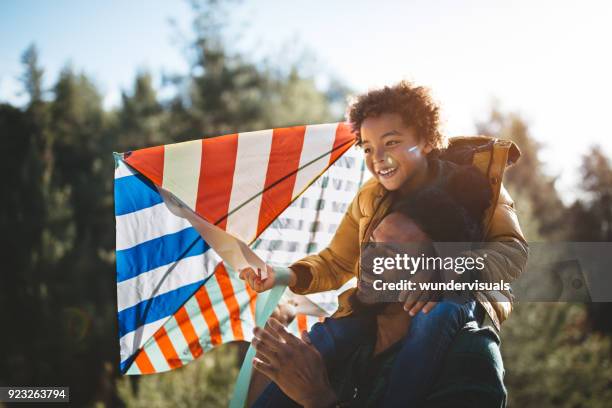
(335, 265)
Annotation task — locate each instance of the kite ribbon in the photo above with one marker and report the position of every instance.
(266, 303)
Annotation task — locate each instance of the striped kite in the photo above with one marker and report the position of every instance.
(189, 214)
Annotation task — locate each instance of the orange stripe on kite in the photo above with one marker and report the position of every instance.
(216, 178)
(345, 138)
(189, 333)
(149, 162)
(281, 174)
(230, 300)
(252, 301)
(302, 323)
(144, 363)
(209, 316)
(167, 348)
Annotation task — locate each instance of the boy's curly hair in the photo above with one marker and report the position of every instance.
(412, 103)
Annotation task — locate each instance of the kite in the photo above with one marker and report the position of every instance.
(189, 214)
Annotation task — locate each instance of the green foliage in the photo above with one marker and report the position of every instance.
(57, 289)
(59, 296)
(528, 179)
(552, 360)
(207, 382)
(33, 74)
(140, 120)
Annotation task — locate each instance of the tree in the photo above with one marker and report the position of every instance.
(597, 182)
(33, 75)
(140, 117)
(528, 179)
(59, 297)
(224, 92)
(590, 219)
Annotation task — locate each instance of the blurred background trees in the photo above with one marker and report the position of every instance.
(57, 289)
(556, 354)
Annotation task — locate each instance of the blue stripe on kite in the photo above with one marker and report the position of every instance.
(155, 308)
(158, 252)
(133, 193)
(125, 363)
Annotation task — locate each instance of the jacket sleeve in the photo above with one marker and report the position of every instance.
(505, 247)
(335, 265)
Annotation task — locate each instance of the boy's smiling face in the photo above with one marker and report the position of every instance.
(393, 152)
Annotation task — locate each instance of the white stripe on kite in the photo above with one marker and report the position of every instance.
(249, 180)
(182, 170)
(192, 307)
(221, 310)
(318, 139)
(131, 342)
(147, 224)
(178, 341)
(123, 170)
(156, 356)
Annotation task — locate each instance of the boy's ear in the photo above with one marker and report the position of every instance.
(427, 149)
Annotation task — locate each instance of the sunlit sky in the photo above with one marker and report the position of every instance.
(550, 61)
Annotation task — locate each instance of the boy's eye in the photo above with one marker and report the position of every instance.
(367, 150)
(391, 142)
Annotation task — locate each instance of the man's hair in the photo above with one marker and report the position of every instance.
(452, 211)
(413, 103)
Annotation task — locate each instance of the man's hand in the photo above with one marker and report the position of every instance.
(294, 364)
(417, 300)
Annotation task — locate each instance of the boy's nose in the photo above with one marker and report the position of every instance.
(379, 157)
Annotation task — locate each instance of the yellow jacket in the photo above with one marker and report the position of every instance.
(505, 245)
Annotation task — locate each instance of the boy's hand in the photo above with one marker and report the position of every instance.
(417, 300)
(261, 285)
(255, 282)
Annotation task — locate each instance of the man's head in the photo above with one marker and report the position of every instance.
(397, 127)
(398, 233)
(448, 212)
(452, 211)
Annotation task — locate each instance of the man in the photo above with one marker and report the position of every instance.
(352, 361)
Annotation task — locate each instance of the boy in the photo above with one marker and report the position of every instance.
(397, 127)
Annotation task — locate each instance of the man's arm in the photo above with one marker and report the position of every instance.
(294, 365)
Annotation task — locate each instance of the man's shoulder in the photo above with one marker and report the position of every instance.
(482, 341)
(472, 372)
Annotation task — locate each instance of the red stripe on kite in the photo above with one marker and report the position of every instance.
(252, 301)
(230, 300)
(189, 333)
(301, 323)
(209, 316)
(284, 160)
(149, 162)
(216, 178)
(144, 363)
(344, 140)
(167, 348)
